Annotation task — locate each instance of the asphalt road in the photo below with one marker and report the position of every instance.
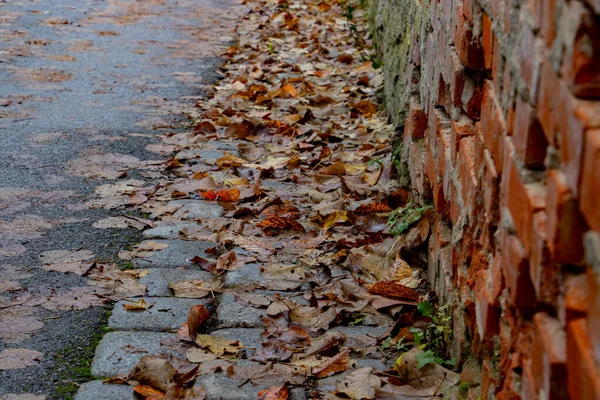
(81, 78)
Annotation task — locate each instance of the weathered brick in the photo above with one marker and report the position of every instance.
(529, 54)
(565, 227)
(516, 272)
(416, 121)
(548, 101)
(549, 357)
(590, 180)
(493, 126)
(528, 136)
(522, 200)
(584, 377)
(467, 45)
(576, 296)
(581, 65)
(592, 255)
(488, 315)
(548, 20)
(488, 40)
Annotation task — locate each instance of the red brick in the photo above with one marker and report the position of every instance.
(576, 296)
(528, 391)
(490, 189)
(488, 41)
(548, 20)
(516, 272)
(535, 9)
(573, 118)
(466, 174)
(467, 44)
(462, 127)
(467, 9)
(549, 357)
(529, 54)
(489, 380)
(487, 314)
(522, 200)
(590, 180)
(493, 126)
(565, 227)
(443, 153)
(498, 65)
(416, 121)
(581, 62)
(548, 101)
(540, 270)
(584, 377)
(416, 159)
(497, 278)
(528, 136)
(593, 293)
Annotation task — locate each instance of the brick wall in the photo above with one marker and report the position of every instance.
(499, 104)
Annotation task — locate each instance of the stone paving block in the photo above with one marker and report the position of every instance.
(250, 337)
(197, 209)
(219, 386)
(96, 390)
(176, 255)
(169, 229)
(158, 279)
(232, 314)
(248, 274)
(167, 314)
(119, 352)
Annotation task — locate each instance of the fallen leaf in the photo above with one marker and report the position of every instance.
(360, 384)
(218, 344)
(333, 365)
(393, 290)
(197, 316)
(19, 358)
(274, 393)
(140, 305)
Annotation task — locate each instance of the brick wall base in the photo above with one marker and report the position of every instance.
(499, 102)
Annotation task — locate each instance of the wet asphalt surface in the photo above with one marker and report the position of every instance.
(81, 78)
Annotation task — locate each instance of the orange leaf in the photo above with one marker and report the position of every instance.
(392, 290)
(274, 393)
(222, 195)
(288, 90)
(366, 108)
(148, 392)
(333, 365)
(372, 208)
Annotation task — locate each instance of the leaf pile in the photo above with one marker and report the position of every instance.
(289, 166)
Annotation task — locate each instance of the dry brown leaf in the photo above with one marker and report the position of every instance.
(333, 365)
(75, 261)
(197, 316)
(274, 393)
(140, 305)
(218, 344)
(393, 290)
